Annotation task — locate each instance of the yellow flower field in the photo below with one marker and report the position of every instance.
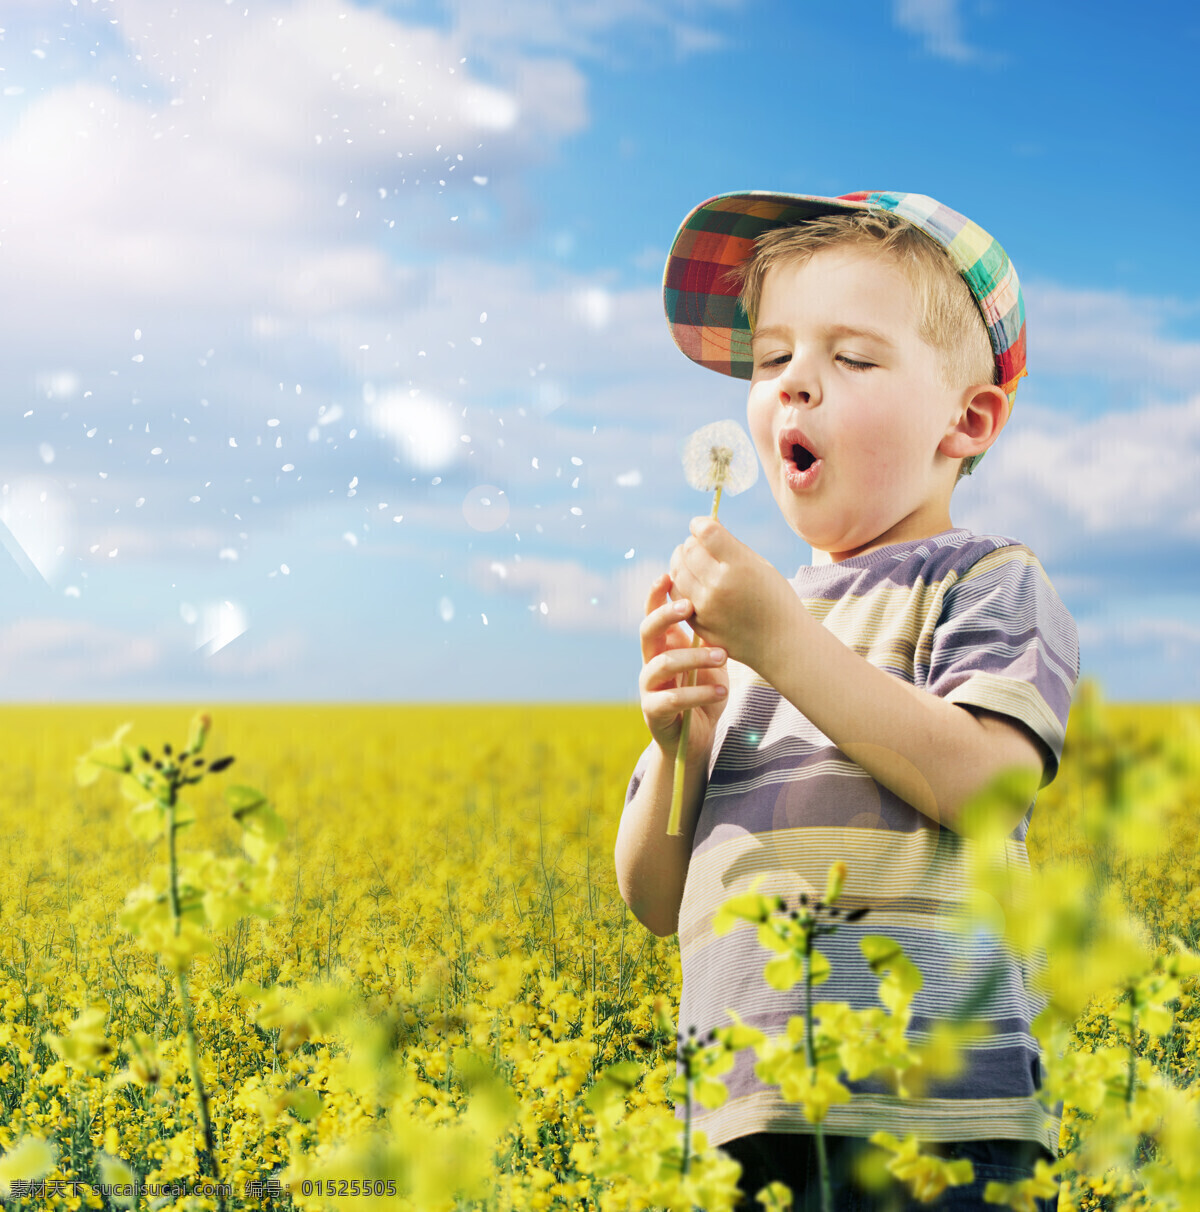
(448, 971)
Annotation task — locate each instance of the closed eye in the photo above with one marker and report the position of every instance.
(854, 363)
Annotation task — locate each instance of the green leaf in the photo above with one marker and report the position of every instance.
(148, 821)
(262, 831)
(243, 800)
(106, 755)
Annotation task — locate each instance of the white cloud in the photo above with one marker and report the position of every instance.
(549, 339)
(586, 29)
(147, 540)
(939, 24)
(593, 307)
(255, 656)
(54, 659)
(1141, 630)
(57, 384)
(42, 657)
(1119, 475)
(1172, 640)
(222, 194)
(1108, 334)
(576, 598)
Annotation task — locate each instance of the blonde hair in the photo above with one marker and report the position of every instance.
(950, 320)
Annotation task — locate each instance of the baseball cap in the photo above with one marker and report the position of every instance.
(708, 324)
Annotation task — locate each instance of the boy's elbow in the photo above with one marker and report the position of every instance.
(656, 918)
(659, 925)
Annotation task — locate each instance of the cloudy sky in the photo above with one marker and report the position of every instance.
(333, 358)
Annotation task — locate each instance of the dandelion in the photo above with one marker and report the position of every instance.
(720, 456)
(716, 457)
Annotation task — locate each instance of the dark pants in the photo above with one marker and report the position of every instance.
(791, 1158)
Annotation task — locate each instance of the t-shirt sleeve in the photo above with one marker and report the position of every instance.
(1005, 641)
(639, 773)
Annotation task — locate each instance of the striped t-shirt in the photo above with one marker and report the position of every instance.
(974, 619)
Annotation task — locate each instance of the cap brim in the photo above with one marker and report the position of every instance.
(700, 299)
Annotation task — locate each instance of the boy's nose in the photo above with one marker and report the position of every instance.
(798, 384)
(797, 397)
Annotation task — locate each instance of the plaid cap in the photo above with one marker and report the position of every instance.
(709, 325)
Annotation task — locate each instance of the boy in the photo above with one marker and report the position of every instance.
(851, 712)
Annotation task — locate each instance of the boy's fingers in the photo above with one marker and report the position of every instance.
(658, 591)
(671, 701)
(667, 666)
(655, 630)
(694, 656)
(658, 604)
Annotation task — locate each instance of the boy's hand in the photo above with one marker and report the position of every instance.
(667, 658)
(740, 601)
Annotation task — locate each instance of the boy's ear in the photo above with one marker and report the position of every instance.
(985, 412)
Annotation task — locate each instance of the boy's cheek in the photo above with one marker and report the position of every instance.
(761, 434)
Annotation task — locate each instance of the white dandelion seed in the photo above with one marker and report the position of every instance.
(720, 456)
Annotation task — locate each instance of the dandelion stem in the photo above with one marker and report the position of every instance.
(681, 752)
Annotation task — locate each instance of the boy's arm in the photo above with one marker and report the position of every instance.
(651, 864)
(933, 754)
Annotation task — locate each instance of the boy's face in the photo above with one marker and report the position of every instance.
(838, 356)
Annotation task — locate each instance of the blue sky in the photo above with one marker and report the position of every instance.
(334, 365)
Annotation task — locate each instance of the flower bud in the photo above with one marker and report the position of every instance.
(198, 732)
(835, 882)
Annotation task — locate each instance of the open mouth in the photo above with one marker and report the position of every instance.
(802, 457)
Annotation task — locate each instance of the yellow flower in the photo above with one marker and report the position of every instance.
(86, 1045)
(926, 1176)
(30, 1159)
(1020, 1196)
(815, 1092)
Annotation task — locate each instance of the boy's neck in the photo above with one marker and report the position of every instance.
(821, 557)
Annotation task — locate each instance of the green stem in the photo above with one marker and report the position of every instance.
(673, 820)
(207, 1156)
(810, 1060)
(1132, 1080)
(687, 1112)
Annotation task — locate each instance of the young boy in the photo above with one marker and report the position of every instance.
(851, 712)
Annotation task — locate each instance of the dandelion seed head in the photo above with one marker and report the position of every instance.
(720, 455)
